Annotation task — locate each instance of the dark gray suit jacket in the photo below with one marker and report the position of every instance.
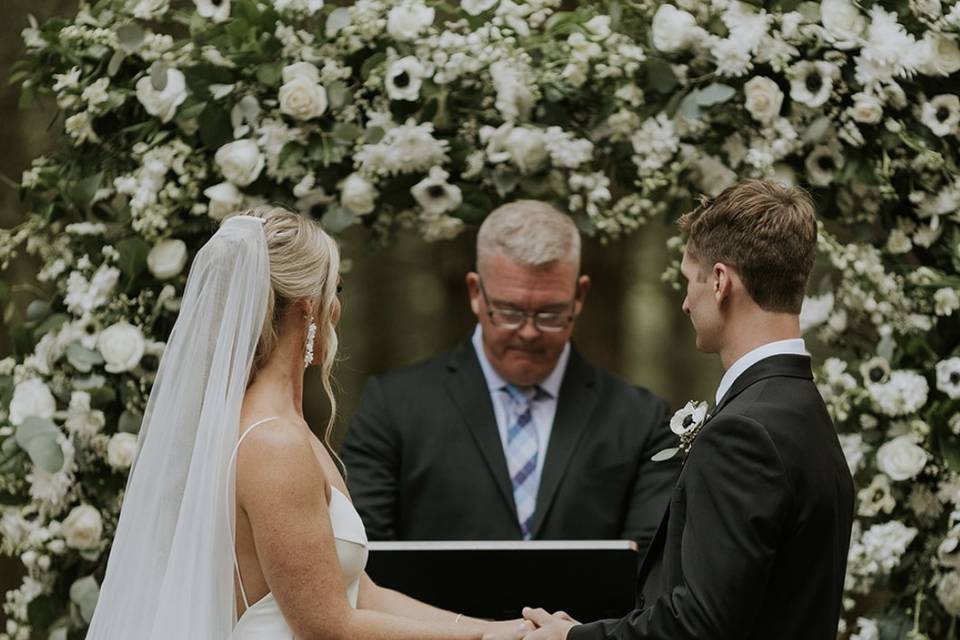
(425, 461)
(754, 544)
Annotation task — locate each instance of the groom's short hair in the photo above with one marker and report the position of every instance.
(766, 231)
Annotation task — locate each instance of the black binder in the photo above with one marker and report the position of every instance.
(589, 580)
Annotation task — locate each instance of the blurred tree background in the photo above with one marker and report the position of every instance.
(407, 302)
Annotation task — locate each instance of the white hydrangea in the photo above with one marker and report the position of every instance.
(407, 148)
(904, 393)
(655, 143)
(879, 550)
(85, 295)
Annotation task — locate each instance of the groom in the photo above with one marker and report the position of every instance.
(754, 542)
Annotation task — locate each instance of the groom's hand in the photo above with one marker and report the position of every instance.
(550, 627)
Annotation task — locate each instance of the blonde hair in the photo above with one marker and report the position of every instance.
(304, 264)
(530, 232)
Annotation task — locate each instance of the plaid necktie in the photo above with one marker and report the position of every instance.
(522, 452)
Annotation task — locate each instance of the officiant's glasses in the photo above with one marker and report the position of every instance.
(507, 318)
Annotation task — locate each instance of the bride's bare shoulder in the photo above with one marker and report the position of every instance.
(279, 449)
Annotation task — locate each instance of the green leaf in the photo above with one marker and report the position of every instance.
(115, 61)
(81, 358)
(158, 75)
(51, 324)
(131, 37)
(38, 437)
(270, 74)
(90, 382)
(660, 76)
(715, 93)
(133, 256)
(83, 191)
(215, 127)
(370, 63)
(130, 422)
(38, 311)
(84, 593)
(346, 132)
(373, 135)
(336, 219)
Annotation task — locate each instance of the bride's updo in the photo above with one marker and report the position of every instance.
(304, 264)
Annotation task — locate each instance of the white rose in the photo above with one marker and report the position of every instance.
(303, 99)
(476, 7)
(673, 29)
(82, 528)
(901, 458)
(31, 398)
(240, 161)
(167, 258)
(866, 108)
(712, 176)
(526, 148)
(121, 450)
(225, 199)
(942, 55)
(764, 98)
(843, 21)
(122, 345)
(405, 22)
(357, 194)
(163, 104)
(304, 70)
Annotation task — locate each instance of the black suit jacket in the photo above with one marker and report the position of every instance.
(754, 543)
(425, 461)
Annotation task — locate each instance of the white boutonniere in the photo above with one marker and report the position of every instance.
(686, 423)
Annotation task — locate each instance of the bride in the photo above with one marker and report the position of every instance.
(236, 523)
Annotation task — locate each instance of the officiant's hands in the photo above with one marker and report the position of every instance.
(508, 630)
(549, 627)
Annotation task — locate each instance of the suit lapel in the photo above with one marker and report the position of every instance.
(575, 404)
(468, 388)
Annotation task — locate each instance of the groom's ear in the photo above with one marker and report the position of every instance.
(722, 280)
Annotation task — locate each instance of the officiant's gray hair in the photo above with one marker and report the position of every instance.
(530, 232)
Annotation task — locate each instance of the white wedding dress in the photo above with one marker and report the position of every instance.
(263, 620)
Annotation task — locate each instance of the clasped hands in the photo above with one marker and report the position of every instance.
(537, 624)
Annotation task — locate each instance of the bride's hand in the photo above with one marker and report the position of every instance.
(508, 630)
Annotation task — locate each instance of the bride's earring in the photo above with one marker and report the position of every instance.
(311, 335)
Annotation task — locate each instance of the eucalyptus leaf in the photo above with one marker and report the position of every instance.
(84, 593)
(158, 75)
(130, 422)
(81, 358)
(817, 129)
(337, 20)
(337, 219)
(94, 381)
(338, 94)
(346, 132)
(373, 135)
(115, 61)
(715, 93)
(690, 106)
(131, 37)
(38, 437)
(38, 311)
(51, 324)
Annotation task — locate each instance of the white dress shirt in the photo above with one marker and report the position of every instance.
(794, 346)
(542, 411)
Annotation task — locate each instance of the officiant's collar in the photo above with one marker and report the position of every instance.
(794, 346)
(495, 382)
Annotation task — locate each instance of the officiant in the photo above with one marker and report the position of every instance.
(513, 434)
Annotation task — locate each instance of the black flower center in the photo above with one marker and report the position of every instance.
(877, 374)
(436, 191)
(826, 163)
(688, 421)
(317, 210)
(955, 377)
(942, 114)
(878, 496)
(150, 362)
(401, 80)
(814, 83)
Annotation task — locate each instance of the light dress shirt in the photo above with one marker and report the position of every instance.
(794, 346)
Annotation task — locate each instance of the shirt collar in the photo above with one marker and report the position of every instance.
(794, 346)
(495, 382)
